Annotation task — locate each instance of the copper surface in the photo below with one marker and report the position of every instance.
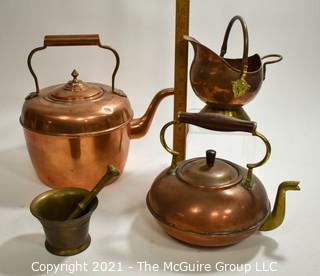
(75, 130)
(202, 212)
(76, 161)
(140, 126)
(71, 40)
(212, 76)
(197, 172)
(73, 159)
(214, 202)
(181, 74)
(60, 111)
(196, 239)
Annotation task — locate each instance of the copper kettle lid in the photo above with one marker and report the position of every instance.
(75, 90)
(208, 172)
(76, 107)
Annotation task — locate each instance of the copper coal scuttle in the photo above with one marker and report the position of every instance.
(211, 201)
(226, 84)
(74, 130)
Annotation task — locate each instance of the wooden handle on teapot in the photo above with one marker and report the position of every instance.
(72, 40)
(216, 122)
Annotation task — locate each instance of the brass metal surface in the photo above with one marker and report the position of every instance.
(240, 86)
(210, 201)
(82, 206)
(251, 166)
(75, 130)
(238, 113)
(51, 208)
(202, 177)
(70, 40)
(180, 74)
(223, 82)
(276, 217)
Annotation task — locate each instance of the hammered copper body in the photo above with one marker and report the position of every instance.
(212, 76)
(74, 130)
(211, 201)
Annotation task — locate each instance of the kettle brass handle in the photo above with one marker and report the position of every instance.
(217, 122)
(71, 40)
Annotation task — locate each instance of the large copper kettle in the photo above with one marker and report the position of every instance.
(74, 130)
(208, 201)
(225, 83)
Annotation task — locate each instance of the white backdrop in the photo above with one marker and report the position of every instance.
(142, 31)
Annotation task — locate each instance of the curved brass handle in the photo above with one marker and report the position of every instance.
(277, 59)
(174, 153)
(217, 122)
(223, 51)
(71, 40)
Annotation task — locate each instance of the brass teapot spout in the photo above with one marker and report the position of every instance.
(276, 217)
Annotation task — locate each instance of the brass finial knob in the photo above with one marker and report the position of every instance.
(74, 74)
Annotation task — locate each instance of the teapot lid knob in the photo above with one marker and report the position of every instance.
(74, 74)
(210, 157)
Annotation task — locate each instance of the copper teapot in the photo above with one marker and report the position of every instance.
(208, 201)
(226, 83)
(76, 129)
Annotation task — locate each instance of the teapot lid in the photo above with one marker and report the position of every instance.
(74, 90)
(75, 108)
(209, 172)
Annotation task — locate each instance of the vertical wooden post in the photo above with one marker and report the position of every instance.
(181, 74)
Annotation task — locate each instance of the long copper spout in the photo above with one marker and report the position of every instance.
(277, 215)
(139, 127)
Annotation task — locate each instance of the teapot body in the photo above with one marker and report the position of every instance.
(209, 201)
(76, 161)
(207, 216)
(74, 130)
